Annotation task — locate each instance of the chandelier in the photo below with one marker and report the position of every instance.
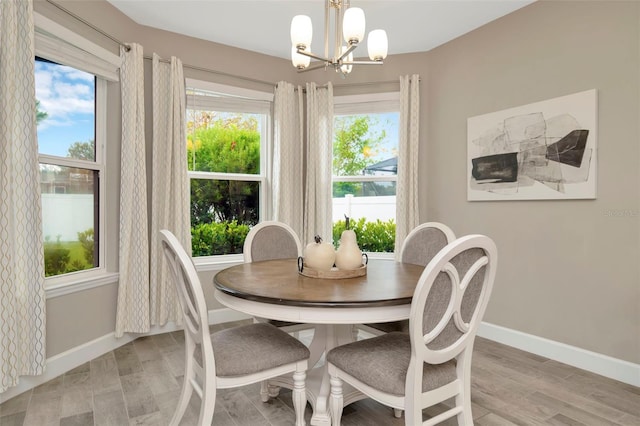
(349, 25)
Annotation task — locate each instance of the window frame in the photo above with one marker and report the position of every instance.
(240, 100)
(366, 104)
(57, 282)
(59, 44)
(371, 103)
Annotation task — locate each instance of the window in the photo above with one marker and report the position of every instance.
(227, 148)
(70, 166)
(365, 164)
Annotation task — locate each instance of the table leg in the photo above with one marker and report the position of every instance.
(335, 335)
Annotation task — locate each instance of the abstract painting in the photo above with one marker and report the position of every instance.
(540, 151)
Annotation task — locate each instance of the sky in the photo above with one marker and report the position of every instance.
(389, 146)
(67, 95)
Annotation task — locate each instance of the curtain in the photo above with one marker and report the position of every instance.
(407, 214)
(318, 191)
(133, 293)
(170, 198)
(22, 296)
(287, 169)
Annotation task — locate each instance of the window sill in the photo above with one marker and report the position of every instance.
(70, 285)
(216, 263)
(381, 256)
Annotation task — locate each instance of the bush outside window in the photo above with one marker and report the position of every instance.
(226, 139)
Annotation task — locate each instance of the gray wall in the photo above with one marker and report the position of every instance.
(569, 272)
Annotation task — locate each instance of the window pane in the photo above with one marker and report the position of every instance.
(371, 217)
(222, 211)
(65, 102)
(365, 144)
(69, 218)
(223, 142)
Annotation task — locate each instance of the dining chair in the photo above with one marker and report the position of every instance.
(232, 357)
(271, 240)
(431, 363)
(419, 247)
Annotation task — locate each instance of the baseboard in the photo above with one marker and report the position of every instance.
(594, 362)
(604, 365)
(68, 360)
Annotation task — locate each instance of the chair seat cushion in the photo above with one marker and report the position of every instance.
(382, 363)
(255, 347)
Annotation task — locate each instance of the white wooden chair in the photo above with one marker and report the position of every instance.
(419, 247)
(229, 358)
(271, 240)
(431, 363)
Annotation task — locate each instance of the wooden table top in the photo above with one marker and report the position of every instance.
(386, 283)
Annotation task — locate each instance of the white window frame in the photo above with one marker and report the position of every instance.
(367, 104)
(236, 99)
(61, 45)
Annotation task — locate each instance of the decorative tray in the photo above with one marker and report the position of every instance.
(332, 274)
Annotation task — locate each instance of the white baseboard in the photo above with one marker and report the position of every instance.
(604, 365)
(74, 357)
(594, 362)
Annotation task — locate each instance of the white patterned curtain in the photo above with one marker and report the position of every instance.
(22, 296)
(407, 214)
(133, 291)
(288, 156)
(170, 185)
(318, 191)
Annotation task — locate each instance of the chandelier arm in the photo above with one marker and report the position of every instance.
(363, 63)
(313, 55)
(315, 66)
(351, 48)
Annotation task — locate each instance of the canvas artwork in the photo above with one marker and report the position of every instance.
(544, 150)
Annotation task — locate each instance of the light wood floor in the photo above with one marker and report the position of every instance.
(139, 384)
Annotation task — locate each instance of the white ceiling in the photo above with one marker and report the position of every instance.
(263, 25)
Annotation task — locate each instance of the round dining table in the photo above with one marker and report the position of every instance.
(277, 290)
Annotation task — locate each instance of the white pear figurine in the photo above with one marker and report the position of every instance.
(319, 255)
(348, 255)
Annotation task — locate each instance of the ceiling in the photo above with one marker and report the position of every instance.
(263, 25)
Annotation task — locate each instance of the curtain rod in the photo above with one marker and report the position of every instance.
(195, 68)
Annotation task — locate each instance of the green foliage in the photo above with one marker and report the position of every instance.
(82, 150)
(375, 236)
(340, 189)
(40, 115)
(56, 257)
(229, 145)
(355, 144)
(76, 265)
(87, 243)
(64, 257)
(216, 238)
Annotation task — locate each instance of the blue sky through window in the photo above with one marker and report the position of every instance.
(67, 95)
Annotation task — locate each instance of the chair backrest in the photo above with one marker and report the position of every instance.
(192, 301)
(271, 240)
(424, 242)
(451, 298)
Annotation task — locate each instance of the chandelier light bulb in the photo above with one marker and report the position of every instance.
(299, 61)
(346, 69)
(353, 24)
(301, 31)
(377, 45)
(341, 21)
